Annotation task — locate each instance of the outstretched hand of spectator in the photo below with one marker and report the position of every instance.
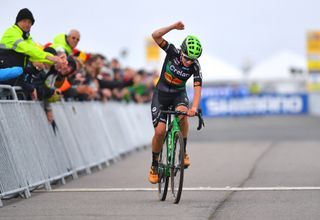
(57, 59)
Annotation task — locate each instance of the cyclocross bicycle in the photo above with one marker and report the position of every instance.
(171, 159)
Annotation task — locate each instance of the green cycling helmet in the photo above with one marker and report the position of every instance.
(191, 47)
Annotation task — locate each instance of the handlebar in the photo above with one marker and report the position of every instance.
(198, 114)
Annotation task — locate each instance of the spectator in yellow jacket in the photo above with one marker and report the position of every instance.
(66, 42)
(17, 46)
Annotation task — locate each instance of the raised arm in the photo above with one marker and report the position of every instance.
(158, 34)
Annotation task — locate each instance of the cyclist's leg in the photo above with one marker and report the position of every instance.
(181, 104)
(159, 133)
(157, 142)
(184, 125)
(159, 123)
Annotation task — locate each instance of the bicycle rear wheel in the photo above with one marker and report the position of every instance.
(177, 170)
(163, 172)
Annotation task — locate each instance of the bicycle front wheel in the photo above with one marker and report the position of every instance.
(177, 170)
(163, 172)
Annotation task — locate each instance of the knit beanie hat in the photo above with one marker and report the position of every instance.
(25, 14)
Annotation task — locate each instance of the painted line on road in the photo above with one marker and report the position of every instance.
(303, 188)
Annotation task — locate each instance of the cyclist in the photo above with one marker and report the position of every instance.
(179, 65)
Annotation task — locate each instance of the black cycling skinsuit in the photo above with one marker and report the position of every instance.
(171, 87)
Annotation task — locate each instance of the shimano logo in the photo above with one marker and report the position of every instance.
(154, 109)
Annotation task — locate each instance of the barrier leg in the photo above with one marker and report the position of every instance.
(63, 181)
(75, 175)
(27, 193)
(47, 185)
(88, 170)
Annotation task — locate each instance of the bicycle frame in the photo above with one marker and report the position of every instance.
(173, 127)
(172, 162)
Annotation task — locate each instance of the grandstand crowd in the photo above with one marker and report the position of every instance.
(59, 71)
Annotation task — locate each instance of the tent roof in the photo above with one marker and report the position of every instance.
(215, 70)
(280, 66)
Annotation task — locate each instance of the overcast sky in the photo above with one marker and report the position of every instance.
(234, 31)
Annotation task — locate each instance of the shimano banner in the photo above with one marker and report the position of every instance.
(264, 104)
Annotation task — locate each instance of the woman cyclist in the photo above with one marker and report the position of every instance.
(179, 65)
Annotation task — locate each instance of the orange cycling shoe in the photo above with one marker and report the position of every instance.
(186, 160)
(153, 175)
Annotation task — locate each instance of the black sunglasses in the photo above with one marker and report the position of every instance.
(187, 58)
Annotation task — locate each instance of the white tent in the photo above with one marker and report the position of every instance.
(283, 66)
(215, 70)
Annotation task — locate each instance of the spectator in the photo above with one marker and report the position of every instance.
(66, 43)
(78, 91)
(57, 77)
(46, 74)
(115, 64)
(138, 91)
(17, 49)
(16, 44)
(56, 82)
(33, 82)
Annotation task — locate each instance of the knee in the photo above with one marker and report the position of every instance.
(184, 121)
(159, 132)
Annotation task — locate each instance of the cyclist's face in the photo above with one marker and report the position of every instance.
(186, 61)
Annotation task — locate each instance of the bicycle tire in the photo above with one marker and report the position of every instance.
(177, 170)
(163, 178)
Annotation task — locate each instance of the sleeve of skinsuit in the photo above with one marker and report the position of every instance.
(169, 48)
(197, 75)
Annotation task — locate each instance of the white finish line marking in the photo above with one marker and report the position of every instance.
(303, 188)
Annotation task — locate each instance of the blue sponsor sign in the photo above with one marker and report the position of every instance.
(264, 104)
(221, 91)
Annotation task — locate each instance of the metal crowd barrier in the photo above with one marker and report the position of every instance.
(88, 134)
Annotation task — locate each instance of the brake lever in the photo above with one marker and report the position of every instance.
(201, 121)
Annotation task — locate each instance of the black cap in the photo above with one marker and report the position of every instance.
(25, 14)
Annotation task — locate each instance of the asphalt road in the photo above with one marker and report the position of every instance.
(241, 168)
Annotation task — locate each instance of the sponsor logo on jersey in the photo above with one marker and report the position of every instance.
(178, 72)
